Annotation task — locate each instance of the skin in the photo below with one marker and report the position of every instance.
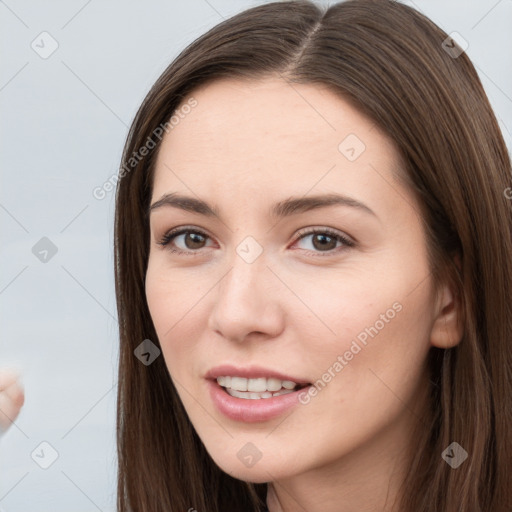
(12, 398)
(245, 146)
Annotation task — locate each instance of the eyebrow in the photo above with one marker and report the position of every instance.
(285, 208)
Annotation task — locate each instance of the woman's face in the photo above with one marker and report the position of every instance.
(349, 308)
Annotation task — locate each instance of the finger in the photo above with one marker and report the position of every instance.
(8, 412)
(8, 376)
(15, 393)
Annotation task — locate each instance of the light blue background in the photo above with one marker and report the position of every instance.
(63, 124)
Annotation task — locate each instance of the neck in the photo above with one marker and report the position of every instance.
(338, 490)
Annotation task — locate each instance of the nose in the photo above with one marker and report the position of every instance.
(247, 302)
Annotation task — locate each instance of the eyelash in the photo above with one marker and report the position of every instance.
(166, 239)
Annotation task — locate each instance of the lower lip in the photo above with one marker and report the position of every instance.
(252, 411)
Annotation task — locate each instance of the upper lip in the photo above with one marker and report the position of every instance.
(250, 372)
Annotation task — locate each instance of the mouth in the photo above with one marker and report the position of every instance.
(257, 388)
(253, 393)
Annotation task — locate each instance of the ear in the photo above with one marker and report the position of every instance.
(448, 327)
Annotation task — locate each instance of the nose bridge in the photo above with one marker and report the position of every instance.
(242, 301)
(245, 282)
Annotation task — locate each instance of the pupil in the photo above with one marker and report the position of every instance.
(320, 236)
(194, 235)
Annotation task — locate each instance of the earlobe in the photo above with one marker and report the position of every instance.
(447, 329)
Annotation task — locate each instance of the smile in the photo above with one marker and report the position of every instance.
(255, 389)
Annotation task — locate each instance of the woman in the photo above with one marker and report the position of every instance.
(262, 368)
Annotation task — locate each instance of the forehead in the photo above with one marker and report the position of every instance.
(271, 135)
(270, 112)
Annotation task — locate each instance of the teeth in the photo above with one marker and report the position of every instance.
(274, 384)
(259, 385)
(256, 385)
(225, 382)
(256, 396)
(240, 384)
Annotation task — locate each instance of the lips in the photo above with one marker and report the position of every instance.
(250, 411)
(249, 407)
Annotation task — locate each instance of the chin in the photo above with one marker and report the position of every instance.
(251, 475)
(260, 472)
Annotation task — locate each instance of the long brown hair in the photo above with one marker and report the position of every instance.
(390, 62)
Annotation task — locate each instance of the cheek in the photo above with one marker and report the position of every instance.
(178, 303)
(161, 302)
(170, 302)
(171, 294)
(370, 336)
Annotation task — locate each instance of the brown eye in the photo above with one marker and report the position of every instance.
(196, 240)
(325, 240)
(193, 240)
